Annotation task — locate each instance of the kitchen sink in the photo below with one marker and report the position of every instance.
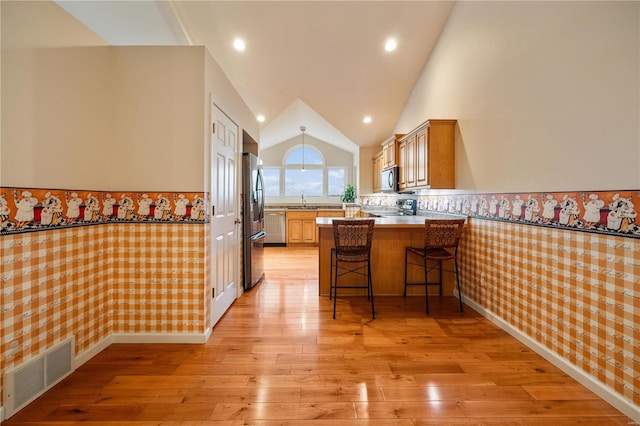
(302, 208)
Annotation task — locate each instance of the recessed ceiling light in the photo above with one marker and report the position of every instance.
(238, 44)
(260, 118)
(366, 120)
(390, 45)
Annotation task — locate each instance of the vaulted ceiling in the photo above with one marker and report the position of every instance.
(321, 64)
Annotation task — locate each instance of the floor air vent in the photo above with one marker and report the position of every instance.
(25, 383)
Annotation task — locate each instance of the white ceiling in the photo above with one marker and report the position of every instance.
(320, 64)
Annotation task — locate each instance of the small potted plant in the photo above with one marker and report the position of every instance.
(349, 194)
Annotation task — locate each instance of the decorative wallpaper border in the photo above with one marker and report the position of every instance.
(603, 212)
(29, 209)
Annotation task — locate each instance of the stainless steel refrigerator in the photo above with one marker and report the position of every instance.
(252, 220)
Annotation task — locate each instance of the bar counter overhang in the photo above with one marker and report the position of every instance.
(390, 237)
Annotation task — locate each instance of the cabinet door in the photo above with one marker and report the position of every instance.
(422, 150)
(309, 231)
(294, 231)
(410, 172)
(385, 155)
(389, 154)
(377, 169)
(441, 162)
(402, 162)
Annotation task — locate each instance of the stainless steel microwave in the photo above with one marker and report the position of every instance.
(389, 179)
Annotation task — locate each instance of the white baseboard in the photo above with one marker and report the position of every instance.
(605, 392)
(159, 338)
(92, 351)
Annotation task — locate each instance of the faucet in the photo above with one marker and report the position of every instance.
(304, 202)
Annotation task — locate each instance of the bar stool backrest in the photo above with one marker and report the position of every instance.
(352, 236)
(442, 233)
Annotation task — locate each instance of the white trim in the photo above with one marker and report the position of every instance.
(603, 391)
(2, 419)
(91, 352)
(209, 331)
(159, 338)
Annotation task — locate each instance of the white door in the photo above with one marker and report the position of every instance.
(225, 229)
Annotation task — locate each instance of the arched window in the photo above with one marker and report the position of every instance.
(316, 179)
(311, 156)
(303, 172)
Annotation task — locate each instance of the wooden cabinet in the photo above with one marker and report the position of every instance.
(388, 157)
(378, 165)
(331, 213)
(410, 161)
(402, 162)
(301, 225)
(426, 156)
(389, 151)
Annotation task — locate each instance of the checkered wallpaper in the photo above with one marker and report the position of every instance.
(574, 286)
(92, 281)
(574, 293)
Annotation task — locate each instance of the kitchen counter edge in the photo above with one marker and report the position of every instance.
(394, 221)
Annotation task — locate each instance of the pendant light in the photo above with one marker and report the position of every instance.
(303, 129)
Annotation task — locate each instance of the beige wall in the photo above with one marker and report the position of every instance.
(219, 91)
(366, 168)
(546, 94)
(105, 118)
(158, 116)
(38, 146)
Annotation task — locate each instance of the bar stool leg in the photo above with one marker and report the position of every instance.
(426, 286)
(335, 289)
(370, 288)
(406, 259)
(455, 261)
(331, 275)
(440, 276)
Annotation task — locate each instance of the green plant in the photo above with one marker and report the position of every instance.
(349, 194)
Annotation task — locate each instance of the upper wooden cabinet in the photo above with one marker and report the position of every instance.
(386, 158)
(390, 151)
(426, 156)
(378, 165)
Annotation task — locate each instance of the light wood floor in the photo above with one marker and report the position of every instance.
(278, 358)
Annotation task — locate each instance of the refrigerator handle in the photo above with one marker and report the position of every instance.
(260, 191)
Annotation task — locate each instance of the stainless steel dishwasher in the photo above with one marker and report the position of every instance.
(275, 226)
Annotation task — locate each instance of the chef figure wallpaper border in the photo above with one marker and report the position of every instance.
(29, 209)
(603, 212)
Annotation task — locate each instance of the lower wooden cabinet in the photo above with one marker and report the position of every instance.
(301, 225)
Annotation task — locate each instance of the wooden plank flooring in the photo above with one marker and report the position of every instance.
(278, 358)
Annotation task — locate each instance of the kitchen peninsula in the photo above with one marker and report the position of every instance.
(390, 237)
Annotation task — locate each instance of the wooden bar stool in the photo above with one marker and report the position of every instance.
(351, 255)
(441, 239)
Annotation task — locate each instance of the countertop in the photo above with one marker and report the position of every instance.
(298, 207)
(394, 221)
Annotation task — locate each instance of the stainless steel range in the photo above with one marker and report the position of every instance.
(408, 207)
